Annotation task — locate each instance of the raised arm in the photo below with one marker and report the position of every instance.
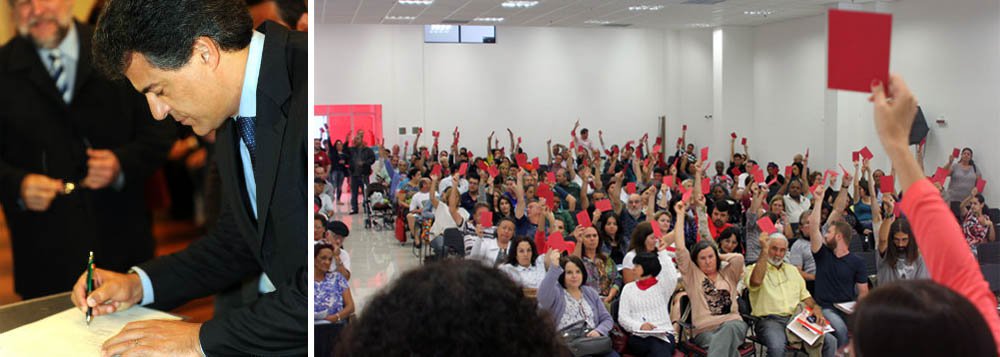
(883, 233)
(815, 237)
(680, 211)
(615, 192)
(519, 191)
(434, 190)
(857, 187)
(513, 145)
(453, 199)
(964, 206)
(840, 204)
(760, 269)
(548, 149)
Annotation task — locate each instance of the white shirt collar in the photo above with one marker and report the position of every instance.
(70, 45)
(248, 98)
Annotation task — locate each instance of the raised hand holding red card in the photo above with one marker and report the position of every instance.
(858, 45)
(887, 184)
(980, 185)
(704, 153)
(766, 226)
(486, 219)
(865, 153)
(556, 241)
(583, 219)
(603, 205)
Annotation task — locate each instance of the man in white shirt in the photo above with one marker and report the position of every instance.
(583, 140)
(795, 201)
(418, 204)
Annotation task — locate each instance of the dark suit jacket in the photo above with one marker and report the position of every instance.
(39, 133)
(276, 324)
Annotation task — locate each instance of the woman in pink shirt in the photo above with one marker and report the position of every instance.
(956, 314)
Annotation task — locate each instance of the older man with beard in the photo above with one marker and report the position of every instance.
(75, 151)
(776, 289)
(632, 214)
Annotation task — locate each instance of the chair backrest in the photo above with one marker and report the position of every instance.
(869, 258)
(454, 242)
(994, 214)
(992, 274)
(989, 253)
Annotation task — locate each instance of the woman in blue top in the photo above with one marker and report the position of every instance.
(333, 301)
(863, 197)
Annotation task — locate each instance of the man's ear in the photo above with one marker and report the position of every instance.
(206, 51)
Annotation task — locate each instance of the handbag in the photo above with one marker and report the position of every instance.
(575, 337)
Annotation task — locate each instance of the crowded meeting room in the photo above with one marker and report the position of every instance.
(656, 178)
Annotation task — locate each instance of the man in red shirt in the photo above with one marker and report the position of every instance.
(320, 157)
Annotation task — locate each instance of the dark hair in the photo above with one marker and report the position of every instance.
(579, 264)
(319, 180)
(512, 207)
(603, 221)
(639, 234)
(844, 229)
(465, 309)
(901, 225)
(164, 31)
(320, 217)
(721, 205)
(649, 262)
(731, 232)
(863, 185)
(291, 10)
(318, 247)
(912, 318)
(584, 131)
(702, 245)
(971, 162)
(512, 250)
(506, 219)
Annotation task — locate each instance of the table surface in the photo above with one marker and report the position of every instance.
(25, 312)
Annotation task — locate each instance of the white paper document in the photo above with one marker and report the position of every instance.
(67, 333)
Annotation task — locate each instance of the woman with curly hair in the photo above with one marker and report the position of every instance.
(465, 309)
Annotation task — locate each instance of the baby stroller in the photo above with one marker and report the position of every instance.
(378, 207)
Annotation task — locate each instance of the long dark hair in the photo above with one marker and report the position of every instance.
(901, 225)
(512, 250)
(971, 161)
(603, 221)
(914, 317)
(579, 264)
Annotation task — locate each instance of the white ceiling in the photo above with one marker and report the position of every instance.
(572, 13)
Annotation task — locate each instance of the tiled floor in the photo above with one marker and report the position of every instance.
(377, 259)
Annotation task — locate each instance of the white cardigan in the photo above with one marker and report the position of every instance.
(651, 305)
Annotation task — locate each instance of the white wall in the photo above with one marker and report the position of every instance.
(536, 81)
(948, 51)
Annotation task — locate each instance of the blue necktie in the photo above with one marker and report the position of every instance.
(59, 74)
(246, 129)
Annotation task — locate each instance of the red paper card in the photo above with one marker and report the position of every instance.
(886, 184)
(680, 140)
(522, 160)
(534, 164)
(630, 188)
(858, 49)
(603, 205)
(758, 176)
(436, 170)
(736, 171)
(686, 197)
(744, 141)
(463, 168)
(704, 153)
(940, 175)
(435, 133)
(813, 189)
(980, 185)
(469, 153)
(540, 241)
(706, 185)
(669, 181)
(494, 171)
(955, 152)
(482, 166)
(685, 127)
(766, 226)
(733, 135)
(656, 230)
(544, 191)
(550, 176)
(656, 148)
(897, 210)
(519, 140)
(865, 153)
(855, 156)
(788, 171)
(427, 154)
(583, 219)
(486, 219)
(557, 242)
(845, 170)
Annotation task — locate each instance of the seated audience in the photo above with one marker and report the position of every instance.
(899, 260)
(493, 252)
(776, 291)
(644, 308)
(976, 224)
(643, 241)
(524, 265)
(333, 303)
(711, 287)
(336, 232)
(568, 300)
(600, 268)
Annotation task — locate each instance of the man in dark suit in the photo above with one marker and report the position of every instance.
(62, 123)
(201, 62)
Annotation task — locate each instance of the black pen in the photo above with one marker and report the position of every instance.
(90, 286)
